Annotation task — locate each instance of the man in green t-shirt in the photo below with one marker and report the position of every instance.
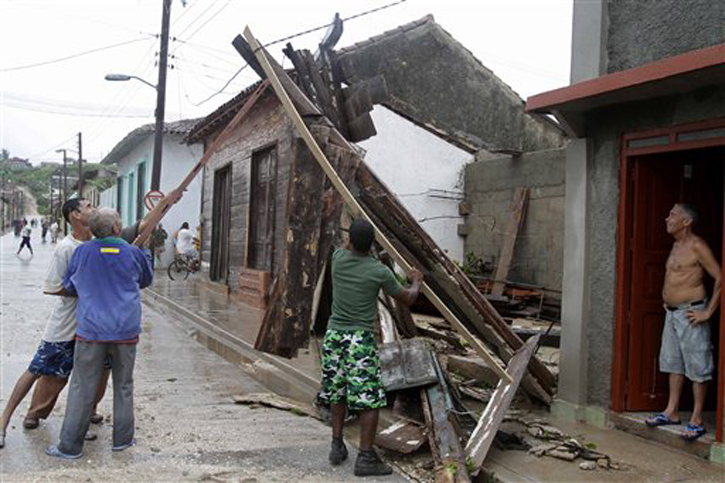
(350, 366)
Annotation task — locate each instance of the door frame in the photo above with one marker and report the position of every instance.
(709, 133)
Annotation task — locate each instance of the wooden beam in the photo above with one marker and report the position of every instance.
(518, 209)
(480, 441)
(355, 206)
(156, 215)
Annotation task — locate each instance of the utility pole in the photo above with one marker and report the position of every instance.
(161, 96)
(80, 165)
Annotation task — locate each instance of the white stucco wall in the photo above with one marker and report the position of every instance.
(424, 171)
(176, 162)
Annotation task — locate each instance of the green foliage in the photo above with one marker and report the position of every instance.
(473, 266)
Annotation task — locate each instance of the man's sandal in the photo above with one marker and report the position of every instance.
(660, 420)
(693, 431)
(96, 418)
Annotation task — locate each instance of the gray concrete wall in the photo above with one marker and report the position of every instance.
(646, 31)
(489, 188)
(266, 125)
(602, 217)
(435, 80)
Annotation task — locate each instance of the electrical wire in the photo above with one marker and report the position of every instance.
(352, 17)
(72, 56)
(76, 114)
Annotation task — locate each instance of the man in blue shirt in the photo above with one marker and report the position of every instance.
(107, 274)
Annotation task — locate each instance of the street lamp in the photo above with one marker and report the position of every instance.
(159, 114)
(124, 77)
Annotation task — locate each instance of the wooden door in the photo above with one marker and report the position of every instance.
(262, 210)
(661, 181)
(221, 217)
(656, 191)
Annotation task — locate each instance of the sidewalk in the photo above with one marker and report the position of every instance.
(230, 328)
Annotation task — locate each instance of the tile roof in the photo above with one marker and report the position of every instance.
(179, 128)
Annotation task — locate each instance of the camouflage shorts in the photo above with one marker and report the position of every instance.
(351, 370)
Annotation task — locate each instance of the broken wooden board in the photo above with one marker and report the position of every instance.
(281, 82)
(270, 400)
(285, 326)
(406, 363)
(518, 209)
(445, 446)
(402, 437)
(480, 441)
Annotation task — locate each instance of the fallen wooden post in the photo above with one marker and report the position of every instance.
(480, 441)
(353, 203)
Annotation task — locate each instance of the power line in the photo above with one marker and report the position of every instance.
(209, 19)
(76, 114)
(73, 56)
(352, 17)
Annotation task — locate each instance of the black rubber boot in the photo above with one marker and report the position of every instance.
(338, 452)
(368, 463)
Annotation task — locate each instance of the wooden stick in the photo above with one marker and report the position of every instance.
(356, 208)
(157, 214)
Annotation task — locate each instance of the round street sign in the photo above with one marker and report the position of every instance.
(152, 199)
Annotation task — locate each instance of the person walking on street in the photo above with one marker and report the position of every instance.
(54, 232)
(108, 274)
(53, 360)
(351, 377)
(26, 232)
(686, 350)
(44, 229)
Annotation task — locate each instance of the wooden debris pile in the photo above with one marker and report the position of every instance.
(328, 117)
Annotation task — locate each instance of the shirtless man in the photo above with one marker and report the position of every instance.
(686, 349)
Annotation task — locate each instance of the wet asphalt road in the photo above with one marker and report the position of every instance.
(187, 427)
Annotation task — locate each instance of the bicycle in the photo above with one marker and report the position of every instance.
(182, 266)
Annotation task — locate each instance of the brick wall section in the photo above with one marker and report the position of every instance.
(489, 188)
(265, 125)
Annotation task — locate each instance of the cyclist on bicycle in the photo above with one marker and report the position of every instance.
(184, 242)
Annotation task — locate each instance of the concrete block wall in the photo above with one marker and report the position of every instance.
(265, 126)
(489, 189)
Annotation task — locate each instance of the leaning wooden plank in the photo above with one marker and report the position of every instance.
(480, 441)
(518, 209)
(443, 276)
(355, 206)
(251, 100)
(461, 294)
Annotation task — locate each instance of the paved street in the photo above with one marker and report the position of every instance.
(187, 427)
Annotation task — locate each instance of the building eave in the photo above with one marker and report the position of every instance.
(670, 76)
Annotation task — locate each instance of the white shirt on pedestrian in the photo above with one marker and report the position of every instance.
(185, 241)
(61, 325)
(26, 231)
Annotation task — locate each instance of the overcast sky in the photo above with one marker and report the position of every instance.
(42, 108)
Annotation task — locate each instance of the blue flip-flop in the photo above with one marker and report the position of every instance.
(693, 431)
(54, 451)
(660, 420)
